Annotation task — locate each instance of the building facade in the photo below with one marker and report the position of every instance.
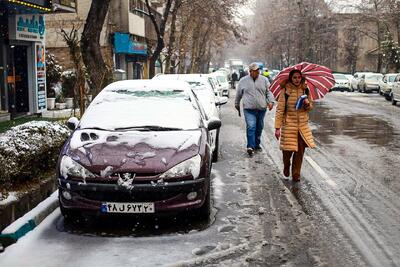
(22, 56)
(124, 39)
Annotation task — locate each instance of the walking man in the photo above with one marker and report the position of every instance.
(254, 89)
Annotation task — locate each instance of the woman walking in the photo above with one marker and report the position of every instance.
(291, 124)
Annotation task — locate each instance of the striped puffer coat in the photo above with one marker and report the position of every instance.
(294, 121)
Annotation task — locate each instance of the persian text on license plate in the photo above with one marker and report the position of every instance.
(114, 207)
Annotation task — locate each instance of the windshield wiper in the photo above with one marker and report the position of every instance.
(148, 128)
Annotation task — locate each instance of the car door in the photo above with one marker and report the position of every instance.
(396, 88)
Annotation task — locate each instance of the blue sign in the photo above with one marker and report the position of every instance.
(124, 44)
(29, 27)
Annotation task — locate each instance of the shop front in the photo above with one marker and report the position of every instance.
(22, 57)
(130, 55)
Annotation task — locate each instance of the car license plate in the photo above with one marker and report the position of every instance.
(115, 207)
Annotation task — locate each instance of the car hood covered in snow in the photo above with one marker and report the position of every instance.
(144, 152)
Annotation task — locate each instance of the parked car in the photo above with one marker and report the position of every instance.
(350, 78)
(341, 83)
(212, 80)
(142, 147)
(356, 80)
(386, 85)
(369, 82)
(205, 92)
(395, 94)
(222, 82)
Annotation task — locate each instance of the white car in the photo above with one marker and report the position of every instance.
(395, 94)
(205, 93)
(222, 82)
(369, 82)
(350, 78)
(341, 83)
(386, 84)
(212, 80)
(356, 80)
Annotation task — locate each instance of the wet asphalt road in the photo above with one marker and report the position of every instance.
(350, 185)
(345, 211)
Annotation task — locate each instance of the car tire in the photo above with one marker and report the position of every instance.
(380, 92)
(215, 153)
(70, 215)
(394, 102)
(205, 210)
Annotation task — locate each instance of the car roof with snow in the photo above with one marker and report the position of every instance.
(136, 103)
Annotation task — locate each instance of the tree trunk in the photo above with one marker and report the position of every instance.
(172, 38)
(99, 72)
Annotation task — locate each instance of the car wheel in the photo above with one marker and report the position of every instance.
(216, 150)
(380, 92)
(394, 102)
(70, 215)
(205, 210)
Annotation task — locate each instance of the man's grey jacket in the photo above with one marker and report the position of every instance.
(255, 94)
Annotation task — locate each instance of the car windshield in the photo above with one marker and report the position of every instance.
(221, 79)
(197, 85)
(339, 76)
(129, 109)
(376, 77)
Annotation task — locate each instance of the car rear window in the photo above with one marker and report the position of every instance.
(339, 76)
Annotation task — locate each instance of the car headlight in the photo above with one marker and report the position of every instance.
(70, 168)
(188, 167)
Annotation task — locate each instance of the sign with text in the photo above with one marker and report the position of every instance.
(27, 27)
(40, 77)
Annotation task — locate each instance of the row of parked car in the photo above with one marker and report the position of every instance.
(143, 147)
(387, 85)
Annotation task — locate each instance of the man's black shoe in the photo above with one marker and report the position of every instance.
(250, 151)
(258, 149)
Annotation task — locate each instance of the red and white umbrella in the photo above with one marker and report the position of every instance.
(319, 79)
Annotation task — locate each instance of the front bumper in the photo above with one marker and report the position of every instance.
(341, 88)
(167, 196)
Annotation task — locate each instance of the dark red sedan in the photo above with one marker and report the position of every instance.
(142, 147)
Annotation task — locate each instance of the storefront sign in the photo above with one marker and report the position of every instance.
(40, 76)
(28, 27)
(124, 44)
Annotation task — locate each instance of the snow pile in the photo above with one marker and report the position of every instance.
(27, 149)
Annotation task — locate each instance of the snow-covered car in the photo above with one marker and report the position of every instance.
(395, 94)
(341, 83)
(212, 80)
(205, 93)
(356, 80)
(369, 82)
(386, 84)
(350, 78)
(141, 147)
(222, 82)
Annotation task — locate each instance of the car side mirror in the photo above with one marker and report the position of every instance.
(214, 124)
(221, 100)
(72, 123)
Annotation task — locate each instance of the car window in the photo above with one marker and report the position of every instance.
(391, 78)
(210, 80)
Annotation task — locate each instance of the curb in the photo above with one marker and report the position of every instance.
(28, 222)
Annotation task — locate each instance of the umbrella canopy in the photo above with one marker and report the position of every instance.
(319, 79)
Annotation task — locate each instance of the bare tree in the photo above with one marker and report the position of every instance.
(99, 72)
